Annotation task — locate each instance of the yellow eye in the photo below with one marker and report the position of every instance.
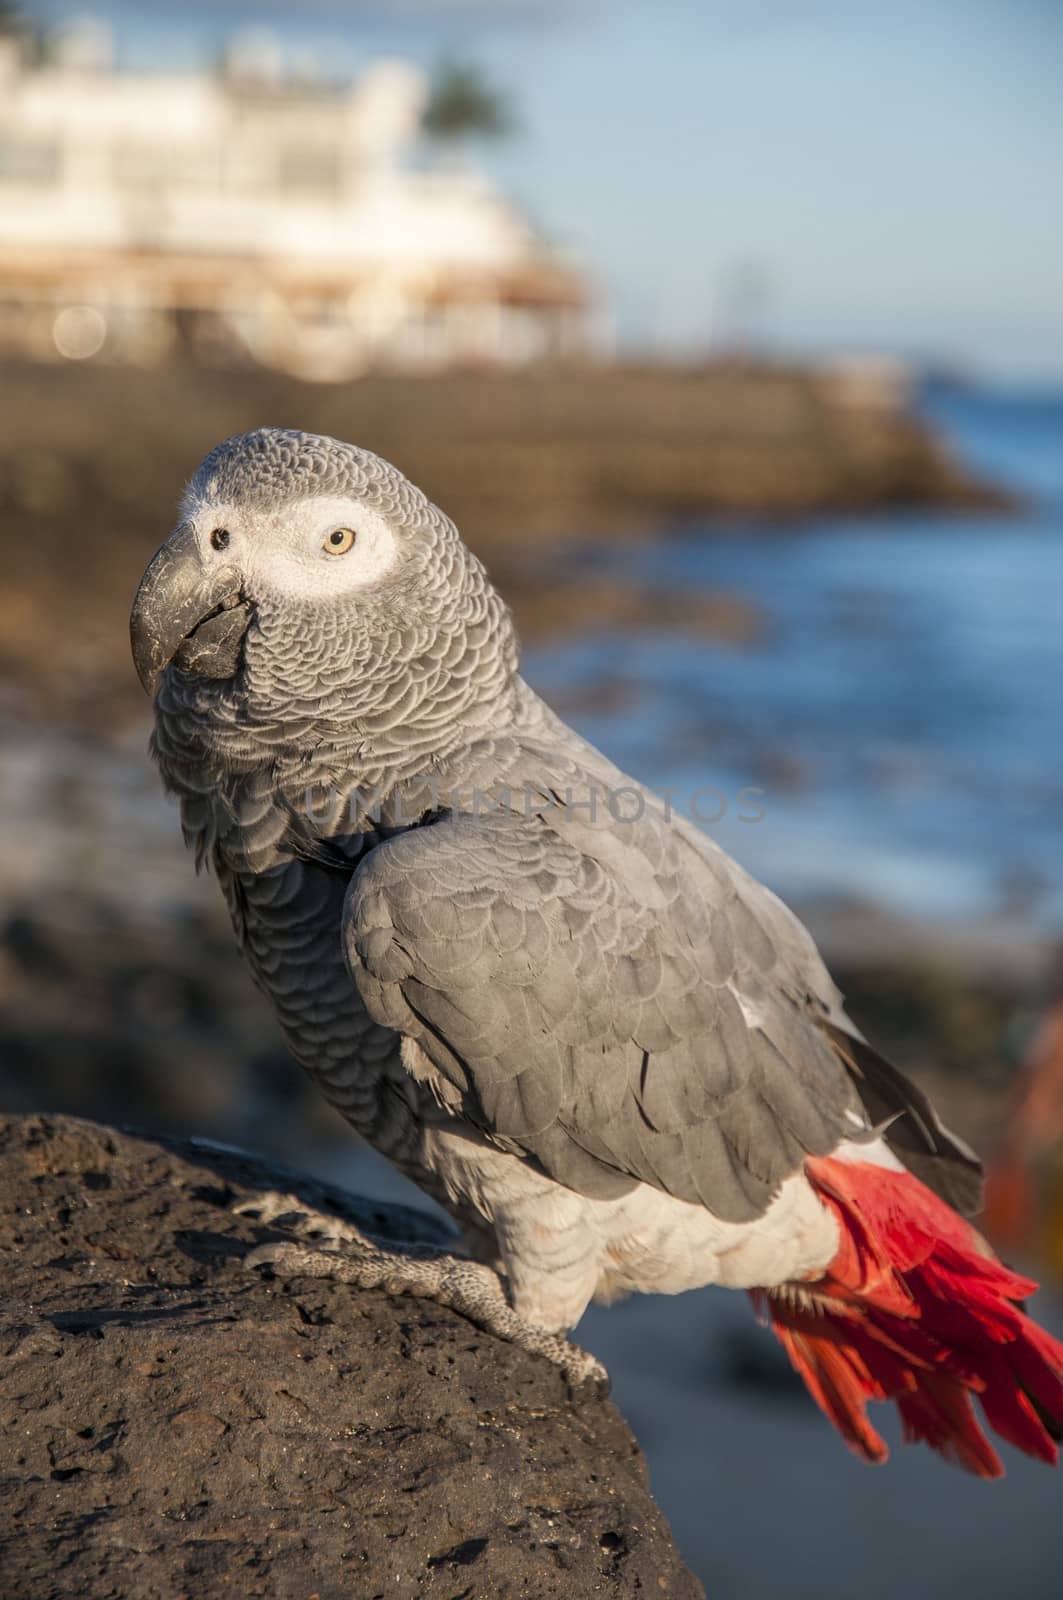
(339, 541)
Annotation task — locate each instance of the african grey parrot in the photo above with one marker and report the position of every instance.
(611, 1055)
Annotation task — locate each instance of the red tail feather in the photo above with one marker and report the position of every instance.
(915, 1308)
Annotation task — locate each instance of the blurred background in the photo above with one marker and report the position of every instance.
(731, 334)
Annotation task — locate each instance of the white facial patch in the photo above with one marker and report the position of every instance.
(286, 551)
(290, 547)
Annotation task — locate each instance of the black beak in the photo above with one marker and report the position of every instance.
(187, 613)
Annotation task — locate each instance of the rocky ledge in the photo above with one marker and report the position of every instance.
(176, 1427)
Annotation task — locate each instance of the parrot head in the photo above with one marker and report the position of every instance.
(305, 549)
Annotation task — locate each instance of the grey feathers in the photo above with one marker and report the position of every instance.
(600, 998)
(271, 465)
(444, 921)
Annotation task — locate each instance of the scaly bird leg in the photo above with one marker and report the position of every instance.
(338, 1250)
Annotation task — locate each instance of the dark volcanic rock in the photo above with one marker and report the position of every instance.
(176, 1428)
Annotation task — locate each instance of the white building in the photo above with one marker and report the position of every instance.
(249, 213)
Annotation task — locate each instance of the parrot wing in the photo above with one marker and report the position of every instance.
(609, 1000)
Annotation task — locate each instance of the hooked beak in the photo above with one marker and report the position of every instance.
(187, 614)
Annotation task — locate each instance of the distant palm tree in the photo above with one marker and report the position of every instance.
(17, 22)
(462, 105)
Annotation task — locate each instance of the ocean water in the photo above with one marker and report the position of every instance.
(906, 680)
(898, 703)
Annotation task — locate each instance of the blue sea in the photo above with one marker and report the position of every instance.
(906, 679)
(898, 703)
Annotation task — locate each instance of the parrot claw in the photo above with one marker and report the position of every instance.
(332, 1248)
(588, 1380)
(277, 1256)
(272, 1206)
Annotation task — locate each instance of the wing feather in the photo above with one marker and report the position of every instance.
(581, 986)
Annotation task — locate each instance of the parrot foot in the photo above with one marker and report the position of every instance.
(337, 1250)
(327, 1230)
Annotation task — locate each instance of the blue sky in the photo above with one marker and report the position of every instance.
(877, 175)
